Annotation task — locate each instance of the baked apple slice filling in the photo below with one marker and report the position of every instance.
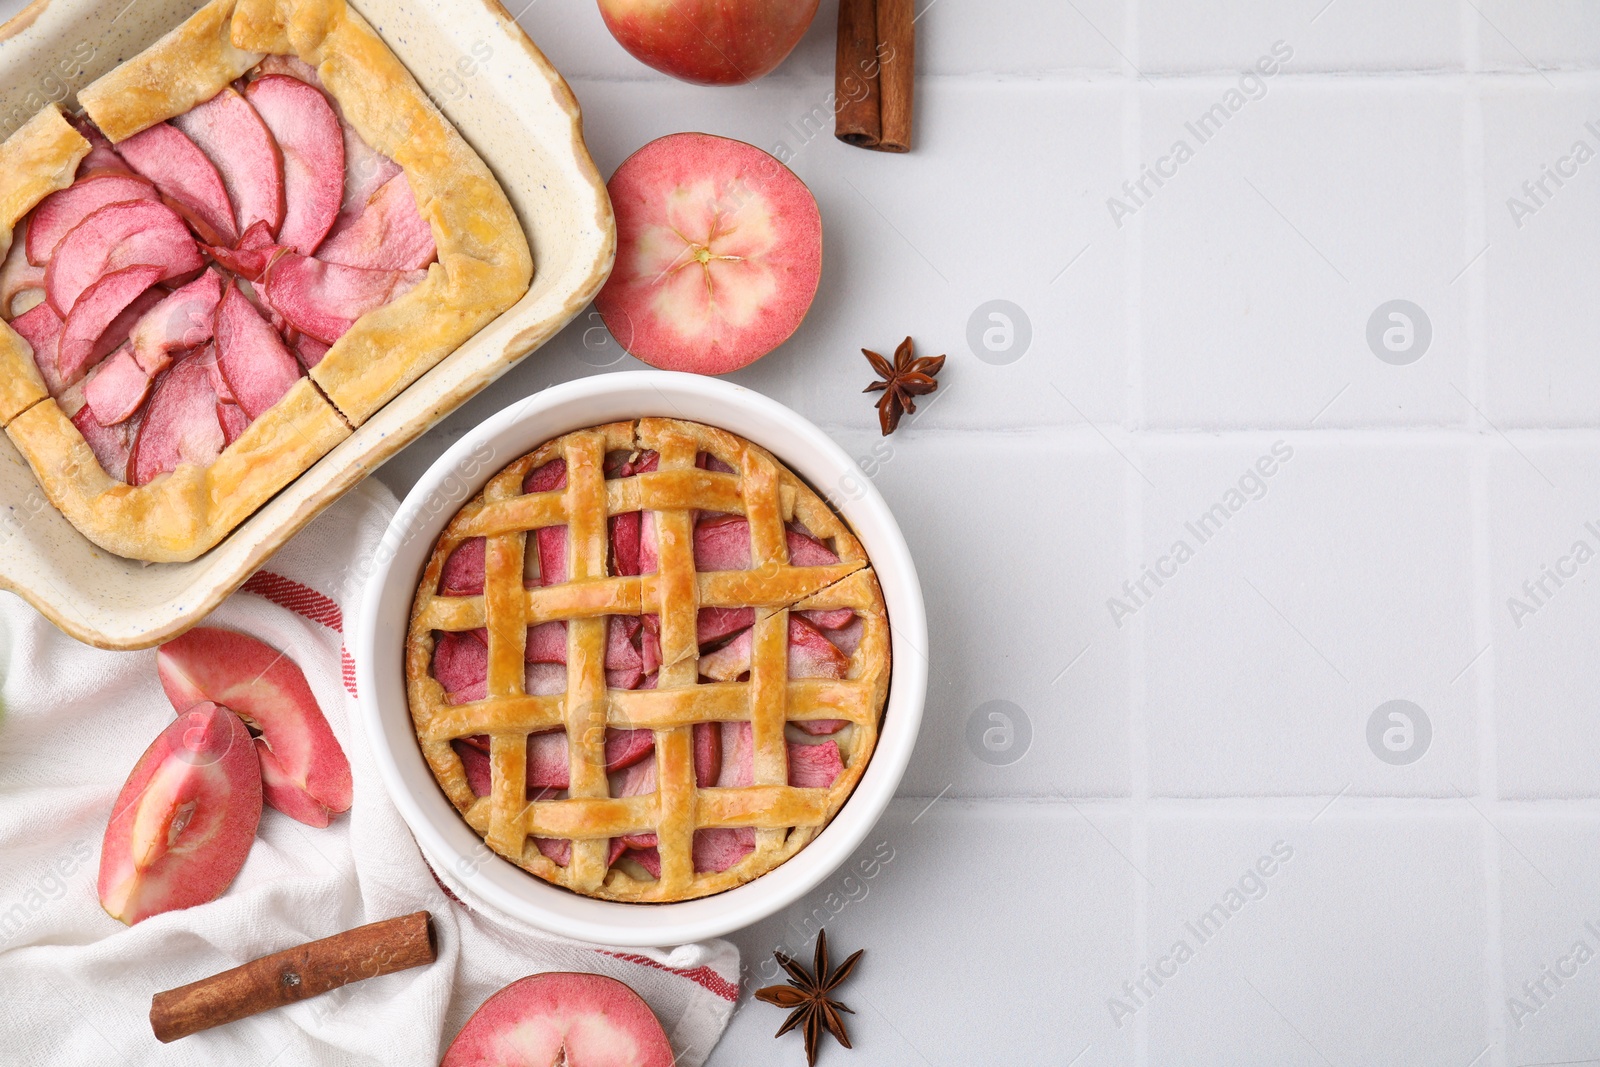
(194, 272)
(820, 645)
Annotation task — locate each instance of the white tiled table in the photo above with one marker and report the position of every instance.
(1223, 725)
(1228, 713)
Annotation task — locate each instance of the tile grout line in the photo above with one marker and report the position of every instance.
(1138, 727)
(1475, 236)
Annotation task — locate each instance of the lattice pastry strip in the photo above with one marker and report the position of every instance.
(782, 639)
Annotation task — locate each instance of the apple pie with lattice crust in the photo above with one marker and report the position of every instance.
(648, 662)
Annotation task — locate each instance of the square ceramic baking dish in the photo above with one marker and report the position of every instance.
(489, 79)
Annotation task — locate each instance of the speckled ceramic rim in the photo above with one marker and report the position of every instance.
(115, 603)
(379, 652)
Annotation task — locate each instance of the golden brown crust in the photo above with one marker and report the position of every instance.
(41, 157)
(178, 515)
(770, 496)
(484, 262)
(188, 66)
(484, 267)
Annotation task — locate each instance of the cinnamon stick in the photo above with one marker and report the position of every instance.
(897, 71)
(855, 75)
(293, 974)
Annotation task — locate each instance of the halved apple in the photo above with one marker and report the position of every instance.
(184, 821)
(307, 133)
(304, 771)
(587, 1020)
(719, 252)
(231, 134)
(166, 156)
(123, 234)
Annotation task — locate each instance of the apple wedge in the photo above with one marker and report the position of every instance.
(253, 359)
(230, 133)
(111, 445)
(387, 235)
(585, 1020)
(184, 821)
(308, 136)
(180, 422)
(40, 326)
(59, 212)
(304, 771)
(183, 174)
(125, 234)
(182, 320)
(719, 252)
(17, 275)
(116, 388)
(325, 299)
(90, 319)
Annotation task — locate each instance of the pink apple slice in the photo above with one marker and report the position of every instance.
(325, 299)
(460, 662)
(463, 571)
(18, 276)
(256, 364)
(185, 819)
(719, 848)
(723, 544)
(814, 766)
(40, 326)
(719, 252)
(111, 445)
(102, 157)
(252, 256)
(182, 320)
(713, 624)
(233, 421)
(707, 745)
(309, 351)
(230, 133)
(183, 173)
(81, 345)
(585, 1020)
(388, 235)
(179, 424)
(125, 234)
(58, 213)
(116, 388)
(309, 138)
(304, 771)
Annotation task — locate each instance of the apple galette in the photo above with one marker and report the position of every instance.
(257, 233)
(647, 662)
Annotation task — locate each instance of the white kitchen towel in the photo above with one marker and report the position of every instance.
(77, 983)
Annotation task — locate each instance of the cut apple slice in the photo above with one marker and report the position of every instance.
(309, 351)
(814, 766)
(183, 173)
(719, 848)
(253, 255)
(185, 819)
(304, 771)
(387, 235)
(585, 1020)
(230, 133)
(254, 361)
(308, 136)
(17, 275)
(40, 326)
(102, 157)
(111, 445)
(59, 212)
(233, 419)
(86, 338)
(116, 388)
(719, 251)
(325, 299)
(125, 234)
(182, 320)
(180, 422)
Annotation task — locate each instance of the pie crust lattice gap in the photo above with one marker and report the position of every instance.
(803, 561)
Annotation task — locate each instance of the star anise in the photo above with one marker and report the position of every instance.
(807, 994)
(908, 376)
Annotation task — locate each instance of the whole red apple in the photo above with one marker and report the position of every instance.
(709, 42)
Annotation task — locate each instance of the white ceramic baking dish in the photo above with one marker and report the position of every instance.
(379, 646)
(515, 110)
